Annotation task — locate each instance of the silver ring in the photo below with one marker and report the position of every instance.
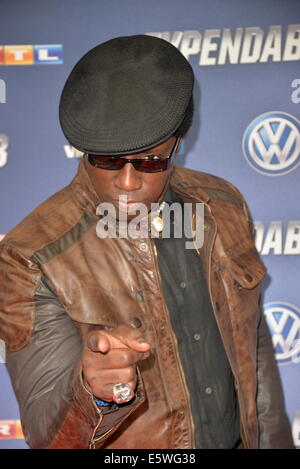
(122, 393)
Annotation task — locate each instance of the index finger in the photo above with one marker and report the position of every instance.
(121, 337)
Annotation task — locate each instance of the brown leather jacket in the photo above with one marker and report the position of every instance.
(59, 279)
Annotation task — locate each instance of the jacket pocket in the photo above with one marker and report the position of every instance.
(242, 275)
(247, 269)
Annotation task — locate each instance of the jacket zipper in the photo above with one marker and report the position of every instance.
(99, 438)
(92, 442)
(100, 413)
(175, 342)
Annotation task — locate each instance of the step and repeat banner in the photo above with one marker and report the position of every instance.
(246, 59)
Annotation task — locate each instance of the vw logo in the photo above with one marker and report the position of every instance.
(271, 143)
(283, 320)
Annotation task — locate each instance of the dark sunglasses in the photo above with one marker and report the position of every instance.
(150, 164)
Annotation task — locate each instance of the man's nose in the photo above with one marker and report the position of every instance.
(128, 179)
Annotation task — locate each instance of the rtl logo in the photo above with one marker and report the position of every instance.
(10, 429)
(31, 55)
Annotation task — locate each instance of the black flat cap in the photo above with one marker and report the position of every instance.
(125, 96)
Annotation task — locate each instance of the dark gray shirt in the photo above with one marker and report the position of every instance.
(206, 367)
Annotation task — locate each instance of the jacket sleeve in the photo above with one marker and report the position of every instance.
(274, 426)
(56, 409)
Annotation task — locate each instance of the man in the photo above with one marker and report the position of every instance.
(130, 342)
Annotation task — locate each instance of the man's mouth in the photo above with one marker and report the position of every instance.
(124, 203)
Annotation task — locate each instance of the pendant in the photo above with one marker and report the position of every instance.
(157, 223)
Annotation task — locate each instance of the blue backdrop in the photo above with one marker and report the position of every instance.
(245, 56)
